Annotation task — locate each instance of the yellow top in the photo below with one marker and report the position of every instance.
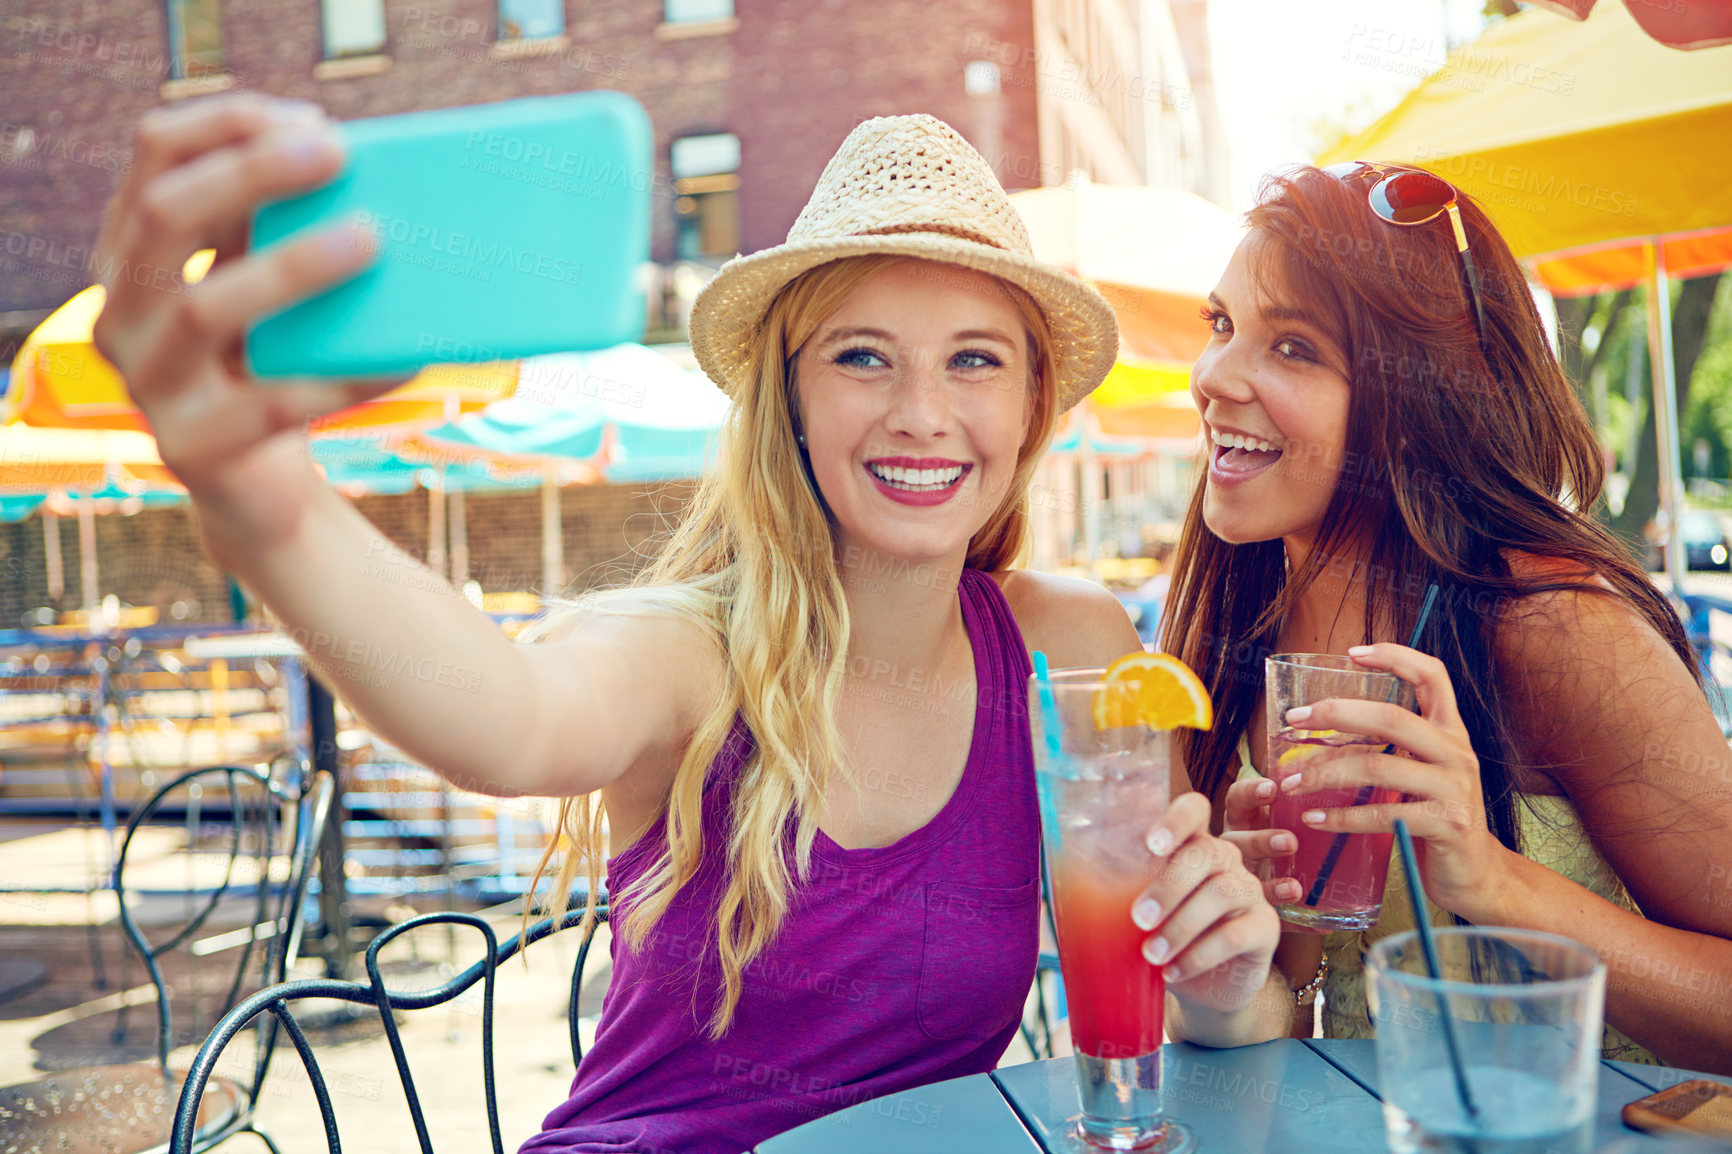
(1552, 835)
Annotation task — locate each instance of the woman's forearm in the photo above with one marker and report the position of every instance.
(1667, 989)
(1268, 1015)
(420, 666)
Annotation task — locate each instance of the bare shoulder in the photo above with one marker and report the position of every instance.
(1602, 700)
(1560, 627)
(1597, 692)
(1075, 622)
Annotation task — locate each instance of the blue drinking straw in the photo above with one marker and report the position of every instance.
(1422, 920)
(1049, 722)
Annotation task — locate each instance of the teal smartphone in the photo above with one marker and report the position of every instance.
(505, 230)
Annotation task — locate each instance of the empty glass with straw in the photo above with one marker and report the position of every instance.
(1522, 1011)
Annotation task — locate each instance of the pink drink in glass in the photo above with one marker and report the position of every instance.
(1353, 894)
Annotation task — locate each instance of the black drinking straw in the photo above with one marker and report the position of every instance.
(1364, 795)
(1422, 921)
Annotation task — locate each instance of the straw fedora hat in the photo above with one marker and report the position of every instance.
(908, 186)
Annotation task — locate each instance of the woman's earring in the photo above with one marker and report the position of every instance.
(802, 439)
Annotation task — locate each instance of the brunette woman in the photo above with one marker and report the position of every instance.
(1385, 415)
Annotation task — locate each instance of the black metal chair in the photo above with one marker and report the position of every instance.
(250, 850)
(275, 1005)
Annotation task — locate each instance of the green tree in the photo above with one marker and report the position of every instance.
(1692, 308)
(1709, 415)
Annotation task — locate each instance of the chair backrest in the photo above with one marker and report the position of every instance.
(277, 1004)
(232, 850)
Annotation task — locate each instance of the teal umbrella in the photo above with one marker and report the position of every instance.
(17, 506)
(623, 414)
(629, 410)
(1102, 446)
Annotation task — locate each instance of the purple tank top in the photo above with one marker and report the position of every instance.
(896, 966)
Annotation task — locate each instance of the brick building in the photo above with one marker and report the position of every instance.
(748, 98)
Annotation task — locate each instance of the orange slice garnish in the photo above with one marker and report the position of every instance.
(1153, 689)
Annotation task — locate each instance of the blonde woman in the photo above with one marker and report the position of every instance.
(806, 726)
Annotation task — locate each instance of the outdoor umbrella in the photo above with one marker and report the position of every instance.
(1155, 254)
(361, 463)
(72, 490)
(623, 414)
(37, 463)
(59, 380)
(1601, 156)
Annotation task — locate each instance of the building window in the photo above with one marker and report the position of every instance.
(698, 11)
(706, 172)
(531, 19)
(195, 38)
(353, 28)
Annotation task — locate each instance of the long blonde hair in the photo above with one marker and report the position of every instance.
(751, 563)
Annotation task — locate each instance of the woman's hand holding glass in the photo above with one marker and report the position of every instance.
(1434, 767)
(1209, 927)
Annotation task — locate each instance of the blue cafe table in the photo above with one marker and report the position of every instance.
(1285, 1096)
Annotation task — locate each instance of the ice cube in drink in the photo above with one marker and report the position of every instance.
(1352, 895)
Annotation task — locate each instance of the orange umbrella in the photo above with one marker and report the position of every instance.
(59, 380)
(1155, 254)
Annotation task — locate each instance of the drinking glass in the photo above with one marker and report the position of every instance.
(1100, 791)
(1526, 1010)
(1341, 875)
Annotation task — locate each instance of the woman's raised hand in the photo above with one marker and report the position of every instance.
(198, 171)
(1209, 927)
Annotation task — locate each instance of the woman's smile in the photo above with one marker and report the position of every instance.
(1237, 457)
(918, 480)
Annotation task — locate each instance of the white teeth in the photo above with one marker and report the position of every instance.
(917, 480)
(1240, 441)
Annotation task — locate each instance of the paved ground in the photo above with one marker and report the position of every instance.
(74, 1019)
(70, 1020)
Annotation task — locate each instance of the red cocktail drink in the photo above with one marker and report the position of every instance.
(1351, 892)
(1116, 998)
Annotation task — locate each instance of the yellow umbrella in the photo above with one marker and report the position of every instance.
(1147, 399)
(59, 380)
(78, 458)
(1582, 141)
(1155, 254)
(1602, 157)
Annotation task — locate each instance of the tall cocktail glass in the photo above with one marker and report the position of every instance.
(1100, 791)
(1340, 876)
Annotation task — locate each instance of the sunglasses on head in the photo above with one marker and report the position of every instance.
(1410, 196)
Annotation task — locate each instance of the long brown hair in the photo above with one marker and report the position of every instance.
(1455, 461)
